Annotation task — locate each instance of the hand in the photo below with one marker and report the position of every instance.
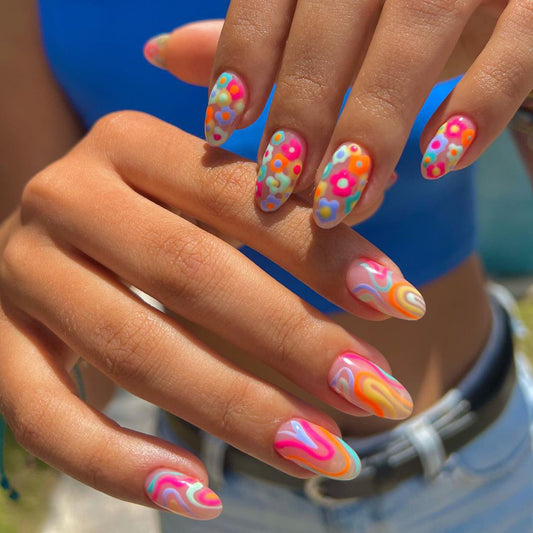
(93, 222)
(391, 54)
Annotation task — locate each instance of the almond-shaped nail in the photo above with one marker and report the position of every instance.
(448, 146)
(183, 495)
(281, 166)
(154, 50)
(342, 184)
(369, 387)
(316, 449)
(384, 290)
(227, 103)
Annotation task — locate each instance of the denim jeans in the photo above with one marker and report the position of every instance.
(486, 486)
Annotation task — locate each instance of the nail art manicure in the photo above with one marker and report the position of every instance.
(280, 169)
(316, 449)
(341, 185)
(154, 50)
(183, 495)
(369, 387)
(384, 290)
(226, 105)
(447, 148)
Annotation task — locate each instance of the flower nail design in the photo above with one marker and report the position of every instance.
(342, 184)
(314, 448)
(448, 146)
(280, 169)
(182, 495)
(154, 50)
(384, 290)
(227, 102)
(369, 387)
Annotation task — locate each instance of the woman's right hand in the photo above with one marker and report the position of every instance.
(95, 221)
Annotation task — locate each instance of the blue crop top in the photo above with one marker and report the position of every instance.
(95, 51)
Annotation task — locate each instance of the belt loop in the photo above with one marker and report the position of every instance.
(213, 455)
(428, 445)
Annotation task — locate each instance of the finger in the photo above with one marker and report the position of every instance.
(487, 97)
(317, 68)
(218, 194)
(243, 74)
(188, 52)
(39, 403)
(155, 358)
(394, 81)
(212, 284)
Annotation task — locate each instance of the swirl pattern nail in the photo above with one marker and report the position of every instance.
(369, 387)
(227, 103)
(182, 495)
(316, 449)
(384, 290)
(343, 180)
(448, 147)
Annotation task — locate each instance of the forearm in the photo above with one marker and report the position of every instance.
(37, 126)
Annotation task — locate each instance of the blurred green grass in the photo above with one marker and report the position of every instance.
(35, 480)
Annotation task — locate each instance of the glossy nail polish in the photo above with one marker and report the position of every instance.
(316, 449)
(281, 166)
(448, 146)
(367, 386)
(384, 290)
(342, 184)
(227, 103)
(183, 495)
(154, 50)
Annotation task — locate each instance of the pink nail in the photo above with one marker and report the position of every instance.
(183, 495)
(316, 449)
(154, 50)
(280, 169)
(227, 103)
(341, 185)
(369, 387)
(448, 146)
(384, 290)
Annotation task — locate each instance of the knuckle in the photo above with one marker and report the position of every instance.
(304, 89)
(191, 261)
(235, 408)
(96, 460)
(224, 189)
(130, 349)
(289, 328)
(28, 419)
(436, 9)
(17, 255)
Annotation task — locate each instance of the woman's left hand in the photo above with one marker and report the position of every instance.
(391, 54)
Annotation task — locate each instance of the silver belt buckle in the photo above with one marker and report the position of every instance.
(313, 490)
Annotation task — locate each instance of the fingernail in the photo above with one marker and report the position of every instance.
(183, 495)
(154, 50)
(384, 290)
(447, 148)
(391, 181)
(341, 185)
(226, 104)
(280, 169)
(369, 387)
(316, 449)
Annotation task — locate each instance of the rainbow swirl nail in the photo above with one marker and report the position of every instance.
(314, 448)
(366, 385)
(227, 103)
(448, 146)
(384, 290)
(181, 494)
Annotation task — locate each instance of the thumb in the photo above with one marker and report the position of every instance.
(188, 52)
